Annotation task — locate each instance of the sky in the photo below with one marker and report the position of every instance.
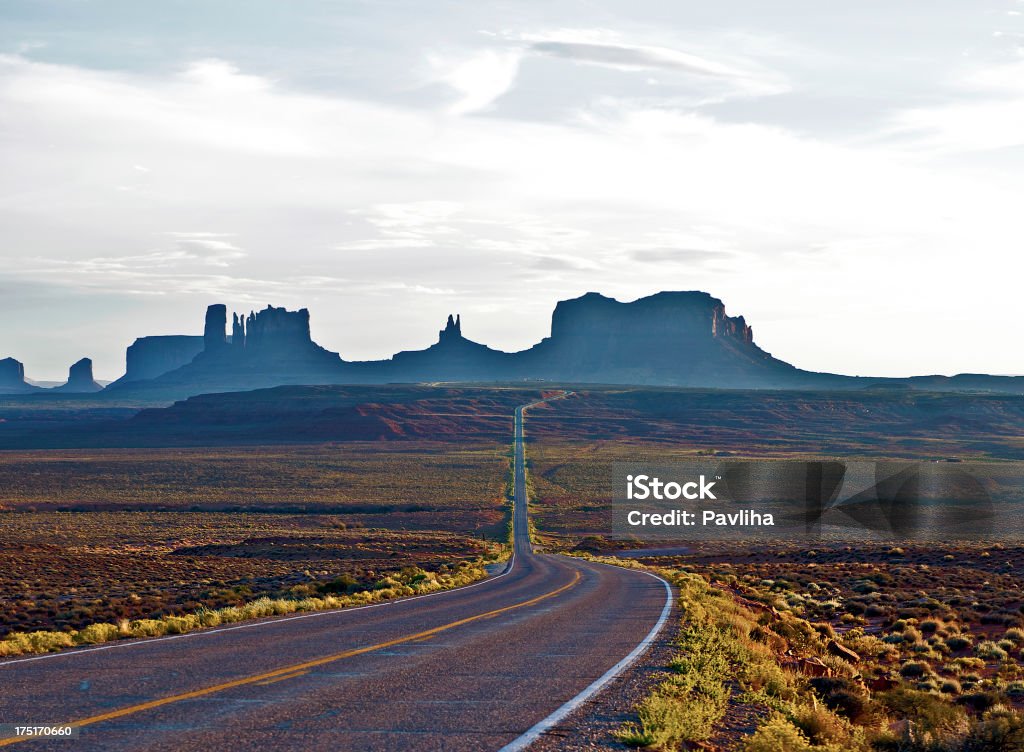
(847, 176)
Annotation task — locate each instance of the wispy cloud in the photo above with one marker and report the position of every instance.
(986, 113)
(727, 73)
(633, 57)
(479, 78)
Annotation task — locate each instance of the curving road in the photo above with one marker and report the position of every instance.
(485, 667)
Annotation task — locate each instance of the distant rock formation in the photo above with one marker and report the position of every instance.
(266, 348)
(669, 339)
(451, 358)
(237, 330)
(80, 379)
(277, 330)
(213, 329)
(12, 378)
(149, 357)
(452, 329)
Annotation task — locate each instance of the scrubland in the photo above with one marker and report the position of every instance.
(129, 537)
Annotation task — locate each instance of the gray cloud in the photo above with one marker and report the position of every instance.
(677, 255)
(623, 56)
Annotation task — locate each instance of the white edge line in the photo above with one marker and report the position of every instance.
(531, 735)
(257, 622)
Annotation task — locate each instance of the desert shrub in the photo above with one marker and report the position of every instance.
(1014, 634)
(47, 642)
(666, 719)
(950, 687)
(969, 662)
(869, 646)
(1000, 730)
(777, 735)
(827, 631)
(207, 617)
(768, 637)
(914, 669)
(822, 727)
(990, 650)
(979, 701)
(843, 696)
(181, 624)
(928, 713)
(344, 583)
(911, 635)
(146, 628)
(14, 644)
(797, 631)
(41, 641)
(97, 633)
(958, 642)
(768, 677)
(839, 666)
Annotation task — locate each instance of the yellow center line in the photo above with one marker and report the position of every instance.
(282, 678)
(283, 673)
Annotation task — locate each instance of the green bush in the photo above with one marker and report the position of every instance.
(1000, 730)
(147, 628)
(668, 719)
(958, 642)
(928, 713)
(821, 726)
(990, 650)
(47, 642)
(777, 735)
(914, 669)
(97, 633)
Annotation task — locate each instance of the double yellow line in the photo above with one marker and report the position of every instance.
(299, 668)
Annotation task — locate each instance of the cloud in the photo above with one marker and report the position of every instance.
(986, 114)
(722, 74)
(374, 213)
(626, 57)
(675, 255)
(208, 248)
(478, 79)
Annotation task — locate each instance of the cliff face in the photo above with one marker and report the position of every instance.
(277, 330)
(680, 338)
(667, 319)
(12, 377)
(213, 328)
(80, 379)
(149, 357)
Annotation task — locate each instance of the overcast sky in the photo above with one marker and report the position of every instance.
(848, 176)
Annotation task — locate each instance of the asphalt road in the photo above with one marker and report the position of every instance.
(485, 667)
